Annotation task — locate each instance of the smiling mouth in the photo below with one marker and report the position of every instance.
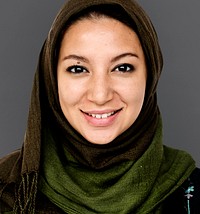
(102, 116)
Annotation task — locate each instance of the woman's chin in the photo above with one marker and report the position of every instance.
(100, 140)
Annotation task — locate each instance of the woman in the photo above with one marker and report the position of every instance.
(94, 136)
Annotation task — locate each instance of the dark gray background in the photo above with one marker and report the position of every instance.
(24, 26)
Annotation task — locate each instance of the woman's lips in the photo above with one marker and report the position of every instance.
(104, 118)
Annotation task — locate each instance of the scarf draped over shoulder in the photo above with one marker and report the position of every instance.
(130, 148)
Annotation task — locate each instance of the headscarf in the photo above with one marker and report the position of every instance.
(132, 143)
(45, 109)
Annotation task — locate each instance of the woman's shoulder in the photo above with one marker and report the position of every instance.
(194, 189)
(196, 175)
(186, 199)
(7, 164)
(9, 174)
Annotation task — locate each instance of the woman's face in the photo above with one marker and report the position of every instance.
(101, 78)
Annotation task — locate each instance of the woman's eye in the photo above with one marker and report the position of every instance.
(75, 69)
(124, 68)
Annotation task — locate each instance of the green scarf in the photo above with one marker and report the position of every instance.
(128, 187)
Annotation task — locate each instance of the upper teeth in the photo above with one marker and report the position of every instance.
(102, 116)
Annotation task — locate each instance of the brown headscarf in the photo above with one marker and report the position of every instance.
(133, 142)
(45, 109)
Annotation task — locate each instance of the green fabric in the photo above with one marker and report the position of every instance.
(129, 187)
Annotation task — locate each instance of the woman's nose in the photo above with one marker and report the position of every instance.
(100, 89)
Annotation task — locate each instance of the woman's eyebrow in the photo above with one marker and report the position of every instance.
(124, 55)
(83, 59)
(75, 57)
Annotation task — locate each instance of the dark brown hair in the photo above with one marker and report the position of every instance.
(96, 12)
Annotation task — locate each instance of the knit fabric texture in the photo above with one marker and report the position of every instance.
(128, 187)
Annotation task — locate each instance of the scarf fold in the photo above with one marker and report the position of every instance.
(135, 141)
(128, 187)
